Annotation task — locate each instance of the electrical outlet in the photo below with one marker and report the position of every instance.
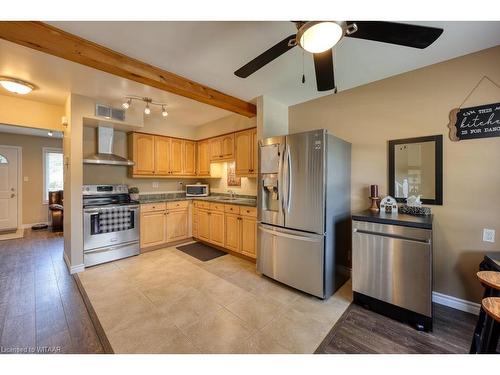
(155, 184)
(488, 235)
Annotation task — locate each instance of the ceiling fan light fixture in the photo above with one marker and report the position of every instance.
(16, 86)
(319, 36)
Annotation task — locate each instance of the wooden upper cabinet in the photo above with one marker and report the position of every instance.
(176, 155)
(203, 158)
(143, 153)
(255, 151)
(222, 148)
(189, 165)
(245, 150)
(162, 155)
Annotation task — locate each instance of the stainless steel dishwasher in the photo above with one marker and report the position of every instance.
(392, 270)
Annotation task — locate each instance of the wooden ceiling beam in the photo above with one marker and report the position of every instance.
(56, 42)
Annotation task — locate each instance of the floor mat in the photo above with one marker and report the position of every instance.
(201, 251)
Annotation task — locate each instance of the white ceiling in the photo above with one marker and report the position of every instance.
(29, 131)
(209, 53)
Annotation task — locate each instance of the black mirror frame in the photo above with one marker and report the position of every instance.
(438, 139)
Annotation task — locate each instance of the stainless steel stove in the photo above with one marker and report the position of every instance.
(110, 224)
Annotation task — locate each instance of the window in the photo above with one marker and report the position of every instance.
(52, 171)
(3, 160)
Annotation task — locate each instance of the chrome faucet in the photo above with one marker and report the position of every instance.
(231, 193)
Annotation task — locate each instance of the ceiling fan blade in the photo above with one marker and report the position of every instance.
(323, 65)
(266, 57)
(396, 33)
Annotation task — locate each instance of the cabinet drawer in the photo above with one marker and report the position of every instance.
(248, 211)
(232, 208)
(200, 204)
(177, 205)
(217, 207)
(149, 207)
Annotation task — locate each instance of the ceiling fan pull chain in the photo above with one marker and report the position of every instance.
(303, 74)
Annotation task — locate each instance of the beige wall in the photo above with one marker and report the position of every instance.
(223, 125)
(25, 112)
(219, 185)
(417, 104)
(34, 210)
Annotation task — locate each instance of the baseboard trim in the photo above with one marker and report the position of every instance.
(73, 269)
(456, 303)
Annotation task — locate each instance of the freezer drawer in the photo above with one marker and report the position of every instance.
(292, 257)
(393, 264)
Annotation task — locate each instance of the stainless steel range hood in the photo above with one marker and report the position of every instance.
(104, 153)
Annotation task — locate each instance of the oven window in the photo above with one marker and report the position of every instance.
(112, 220)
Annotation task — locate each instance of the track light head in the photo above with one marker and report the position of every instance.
(164, 112)
(126, 104)
(147, 110)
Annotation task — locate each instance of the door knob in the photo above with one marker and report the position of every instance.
(12, 189)
(12, 195)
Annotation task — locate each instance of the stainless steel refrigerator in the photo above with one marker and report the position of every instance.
(304, 211)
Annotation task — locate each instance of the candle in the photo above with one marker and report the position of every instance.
(374, 191)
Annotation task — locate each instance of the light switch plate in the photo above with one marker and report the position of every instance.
(26, 179)
(488, 235)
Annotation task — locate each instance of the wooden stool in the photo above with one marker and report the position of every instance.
(489, 336)
(491, 282)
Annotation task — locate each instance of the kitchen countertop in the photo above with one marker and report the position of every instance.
(238, 201)
(424, 222)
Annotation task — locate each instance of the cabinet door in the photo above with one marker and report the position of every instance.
(195, 222)
(162, 155)
(248, 236)
(227, 144)
(143, 154)
(177, 225)
(204, 158)
(232, 232)
(243, 150)
(217, 227)
(203, 225)
(176, 154)
(216, 149)
(189, 165)
(153, 228)
(255, 152)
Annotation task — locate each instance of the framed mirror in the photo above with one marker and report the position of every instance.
(416, 168)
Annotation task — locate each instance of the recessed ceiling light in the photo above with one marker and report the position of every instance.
(16, 86)
(318, 36)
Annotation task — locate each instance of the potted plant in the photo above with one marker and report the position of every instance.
(134, 193)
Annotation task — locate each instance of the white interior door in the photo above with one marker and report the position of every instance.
(8, 188)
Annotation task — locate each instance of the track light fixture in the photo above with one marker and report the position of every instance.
(149, 102)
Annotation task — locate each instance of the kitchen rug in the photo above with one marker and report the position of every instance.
(201, 251)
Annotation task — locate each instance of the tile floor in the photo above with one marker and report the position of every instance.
(166, 301)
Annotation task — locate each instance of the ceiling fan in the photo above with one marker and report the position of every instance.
(319, 37)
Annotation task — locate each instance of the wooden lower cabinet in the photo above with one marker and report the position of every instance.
(161, 223)
(177, 225)
(227, 226)
(249, 236)
(153, 225)
(217, 227)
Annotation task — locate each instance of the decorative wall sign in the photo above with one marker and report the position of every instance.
(232, 180)
(475, 122)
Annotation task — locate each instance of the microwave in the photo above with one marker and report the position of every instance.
(198, 190)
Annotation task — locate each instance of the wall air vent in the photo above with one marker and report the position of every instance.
(109, 112)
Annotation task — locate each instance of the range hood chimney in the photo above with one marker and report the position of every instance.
(105, 150)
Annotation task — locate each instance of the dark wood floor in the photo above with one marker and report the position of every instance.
(363, 331)
(41, 309)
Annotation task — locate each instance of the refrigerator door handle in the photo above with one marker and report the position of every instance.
(288, 178)
(292, 236)
(281, 179)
